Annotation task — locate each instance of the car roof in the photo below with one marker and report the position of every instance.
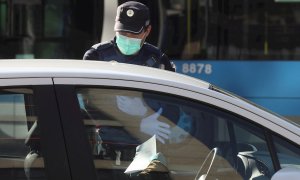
(63, 68)
(12, 68)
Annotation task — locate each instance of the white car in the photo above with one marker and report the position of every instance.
(74, 119)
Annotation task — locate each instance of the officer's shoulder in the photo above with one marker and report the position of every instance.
(152, 49)
(102, 46)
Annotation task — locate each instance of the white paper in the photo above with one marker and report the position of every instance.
(143, 156)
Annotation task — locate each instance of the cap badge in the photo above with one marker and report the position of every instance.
(130, 13)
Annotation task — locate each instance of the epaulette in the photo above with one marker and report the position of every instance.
(152, 48)
(103, 45)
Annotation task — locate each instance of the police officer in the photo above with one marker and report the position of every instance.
(132, 26)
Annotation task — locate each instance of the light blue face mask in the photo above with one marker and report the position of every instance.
(128, 46)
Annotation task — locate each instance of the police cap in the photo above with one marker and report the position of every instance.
(132, 17)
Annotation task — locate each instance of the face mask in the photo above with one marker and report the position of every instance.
(128, 46)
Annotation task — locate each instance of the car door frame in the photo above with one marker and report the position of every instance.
(77, 144)
(53, 145)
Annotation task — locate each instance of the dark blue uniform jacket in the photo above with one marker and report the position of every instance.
(148, 55)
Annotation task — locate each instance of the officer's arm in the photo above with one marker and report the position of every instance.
(170, 66)
(91, 54)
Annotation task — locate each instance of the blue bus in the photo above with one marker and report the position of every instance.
(248, 47)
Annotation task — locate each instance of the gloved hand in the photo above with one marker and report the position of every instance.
(183, 129)
(132, 106)
(151, 125)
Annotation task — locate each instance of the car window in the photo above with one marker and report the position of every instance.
(20, 150)
(288, 153)
(254, 158)
(193, 139)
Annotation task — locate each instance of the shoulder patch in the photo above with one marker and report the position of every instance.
(101, 46)
(151, 47)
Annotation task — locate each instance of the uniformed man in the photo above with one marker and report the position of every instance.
(132, 26)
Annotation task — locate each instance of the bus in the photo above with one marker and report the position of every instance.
(250, 48)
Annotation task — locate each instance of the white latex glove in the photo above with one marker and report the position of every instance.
(177, 135)
(151, 125)
(132, 106)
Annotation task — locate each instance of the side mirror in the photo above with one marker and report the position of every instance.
(288, 173)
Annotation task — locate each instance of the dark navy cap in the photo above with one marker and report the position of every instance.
(132, 17)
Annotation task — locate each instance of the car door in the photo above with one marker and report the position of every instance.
(113, 120)
(31, 138)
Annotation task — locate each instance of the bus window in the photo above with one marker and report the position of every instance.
(3, 16)
(260, 30)
(189, 29)
(183, 29)
(49, 29)
(226, 29)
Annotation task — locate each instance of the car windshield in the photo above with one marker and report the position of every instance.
(222, 91)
